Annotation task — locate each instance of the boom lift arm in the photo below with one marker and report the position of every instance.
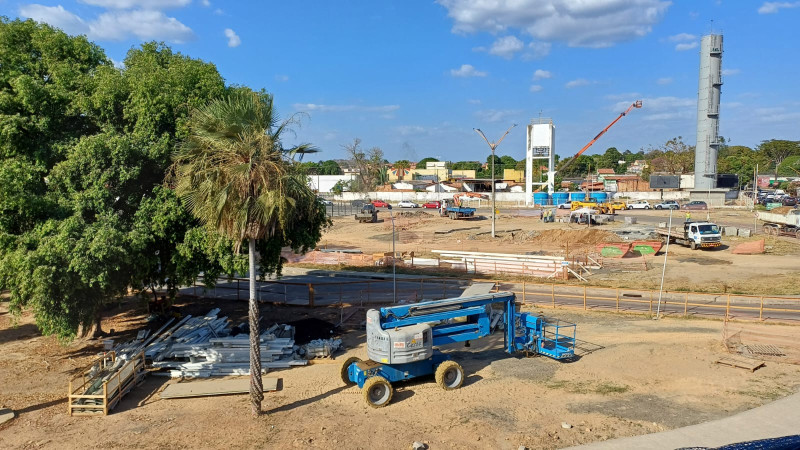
(636, 104)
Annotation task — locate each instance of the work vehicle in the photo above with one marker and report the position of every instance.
(668, 204)
(381, 204)
(566, 205)
(601, 208)
(432, 205)
(401, 341)
(407, 204)
(584, 215)
(781, 224)
(457, 210)
(368, 213)
(639, 204)
(695, 205)
(694, 234)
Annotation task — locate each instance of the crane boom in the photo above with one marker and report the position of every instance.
(636, 104)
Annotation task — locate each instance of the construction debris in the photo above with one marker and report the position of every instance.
(741, 363)
(6, 415)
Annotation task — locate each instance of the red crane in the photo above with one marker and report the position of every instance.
(636, 104)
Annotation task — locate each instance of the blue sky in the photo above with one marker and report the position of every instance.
(414, 77)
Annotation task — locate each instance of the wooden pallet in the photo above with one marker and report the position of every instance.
(741, 363)
(101, 385)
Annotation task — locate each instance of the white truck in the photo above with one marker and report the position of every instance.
(781, 224)
(693, 234)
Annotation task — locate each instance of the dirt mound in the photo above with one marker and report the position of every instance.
(781, 210)
(413, 214)
(589, 237)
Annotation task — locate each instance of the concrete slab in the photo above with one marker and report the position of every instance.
(215, 387)
(6, 415)
(776, 419)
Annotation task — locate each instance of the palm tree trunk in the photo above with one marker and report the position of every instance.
(256, 388)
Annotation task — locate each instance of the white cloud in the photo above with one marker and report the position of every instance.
(233, 38)
(506, 47)
(56, 16)
(114, 25)
(579, 82)
(467, 70)
(599, 23)
(538, 50)
(474, 101)
(776, 114)
(663, 81)
(625, 96)
(728, 72)
(535, 88)
(540, 74)
(412, 130)
(773, 7)
(138, 4)
(495, 115)
(344, 108)
(282, 78)
(682, 37)
(205, 3)
(686, 46)
(219, 12)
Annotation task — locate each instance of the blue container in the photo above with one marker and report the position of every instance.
(599, 197)
(577, 196)
(541, 198)
(560, 197)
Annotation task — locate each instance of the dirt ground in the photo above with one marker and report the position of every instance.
(708, 270)
(634, 376)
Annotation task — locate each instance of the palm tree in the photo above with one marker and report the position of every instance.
(233, 174)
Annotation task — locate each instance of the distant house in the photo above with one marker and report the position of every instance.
(605, 171)
(637, 166)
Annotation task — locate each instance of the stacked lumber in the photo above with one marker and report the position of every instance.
(495, 263)
(99, 387)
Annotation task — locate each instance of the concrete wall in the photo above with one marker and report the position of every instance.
(653, 195)
(324, 183)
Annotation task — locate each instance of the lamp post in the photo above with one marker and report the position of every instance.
(664, 269)
(493, 146)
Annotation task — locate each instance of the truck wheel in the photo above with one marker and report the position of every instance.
(378, 392)
(345, 368)
(693, 245)
(449, 375)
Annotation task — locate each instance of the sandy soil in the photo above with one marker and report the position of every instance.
(634, 376)
(711, 270)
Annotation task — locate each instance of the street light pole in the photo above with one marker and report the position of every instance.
(493, 146)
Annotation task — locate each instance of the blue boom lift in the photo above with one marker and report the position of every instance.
(401, 340)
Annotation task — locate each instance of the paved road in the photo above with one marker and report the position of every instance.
(325, 288)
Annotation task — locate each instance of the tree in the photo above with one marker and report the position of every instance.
(234, 176)
(423, 163)
(467, 165)
(400, 167)
(507, 162)
(777, 150)
(330, 167)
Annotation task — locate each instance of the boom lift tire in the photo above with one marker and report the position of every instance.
(345, 376)
(449, 375)
(377, 391)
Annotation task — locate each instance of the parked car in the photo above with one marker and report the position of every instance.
(668, 204)
(697, 204)
(639, 204)
(566, 205)
(432, 205)
(407, 204)
(618, 205)
(380, 204)
(789, 201)
(325, 201)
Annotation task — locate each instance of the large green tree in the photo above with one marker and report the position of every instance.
(423, 163)
(776, 150)
(84, 147)
(234, 176)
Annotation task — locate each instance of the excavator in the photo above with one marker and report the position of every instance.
(457, 211)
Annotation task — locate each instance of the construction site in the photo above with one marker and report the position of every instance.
(550, 316)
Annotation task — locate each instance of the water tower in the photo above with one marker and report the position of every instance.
(708, 95)
(541, 142)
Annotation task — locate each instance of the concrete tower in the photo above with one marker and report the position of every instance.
(708, 94)
(541, 142)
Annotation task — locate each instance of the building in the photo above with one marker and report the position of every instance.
(637, 166)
